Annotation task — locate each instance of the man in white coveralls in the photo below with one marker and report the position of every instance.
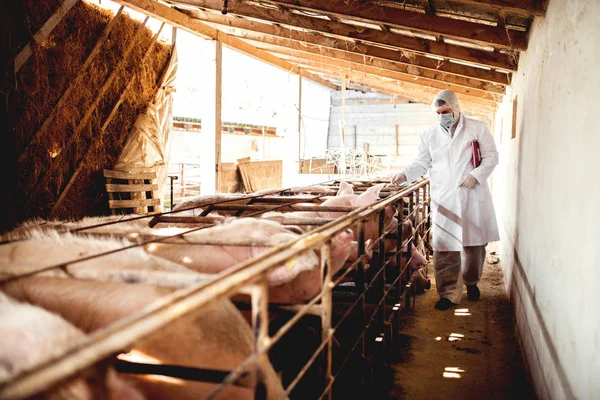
(463, 216)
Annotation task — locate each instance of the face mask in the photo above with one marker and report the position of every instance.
(446, 120)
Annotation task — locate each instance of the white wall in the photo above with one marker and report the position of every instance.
(547, 191)
(375, 124)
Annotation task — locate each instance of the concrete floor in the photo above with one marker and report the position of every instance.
(485, 363)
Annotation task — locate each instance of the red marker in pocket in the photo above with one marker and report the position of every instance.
(476, 155)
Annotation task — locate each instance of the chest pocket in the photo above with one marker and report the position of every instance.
(439, 154)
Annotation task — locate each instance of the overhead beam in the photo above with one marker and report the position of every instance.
(488, 58)
(363, 50)
(529, 7)
(365, 77)
(421, 96)
(180, 20)
(317, 62)
(376, 14)
(305, 50)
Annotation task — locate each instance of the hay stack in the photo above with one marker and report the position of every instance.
(49, 162)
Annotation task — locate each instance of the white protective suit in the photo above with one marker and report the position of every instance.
(460, 216)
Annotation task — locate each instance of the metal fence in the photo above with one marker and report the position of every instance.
(369, 301)
(183, 181)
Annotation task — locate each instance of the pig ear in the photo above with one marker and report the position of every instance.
(345, 189)
(369, 197)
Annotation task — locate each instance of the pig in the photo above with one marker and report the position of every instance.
(31, 335)
(214, 338)
(420, 281)
(213, 259)
(132, 265)
(297, 281)
(308, 283)
(346, 198)
(186, 255)
(417, 259)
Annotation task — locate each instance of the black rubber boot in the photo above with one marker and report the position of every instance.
(443, 304)
(473, 293)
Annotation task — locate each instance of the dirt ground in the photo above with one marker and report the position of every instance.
(488, 356)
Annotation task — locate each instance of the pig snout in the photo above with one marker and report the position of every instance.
(418, 260)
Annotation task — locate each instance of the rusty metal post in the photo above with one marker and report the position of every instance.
(260, 325)
(326, 331)
(381, 262)
(411, 207)
(360, 280)
(428, 215)
(399, 262)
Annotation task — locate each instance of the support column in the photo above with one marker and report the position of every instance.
(211, 126)
(300, 121)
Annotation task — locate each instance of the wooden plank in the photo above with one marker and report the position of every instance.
(422, 95)
(112, 187)
(107, 121)
(341, 30)
(327, 63)
(43, 33)
(397, 17)
(527, 7)
(180, 20)
(357, 75)
(60, 102)
(469, 108)
(341, 58)
(218, 111)
(133, 203)
(108, 173)
(243, 165)
(364, 50)
(299, 119)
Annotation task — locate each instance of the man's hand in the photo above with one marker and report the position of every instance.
(468, 181)
(398, 179)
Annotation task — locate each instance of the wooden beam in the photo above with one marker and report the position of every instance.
(420, 94)
(496, 60)
(218, 112)
(43, 33)
(180, 20)
(306, 50)
(362, 76)
(527, 7)
(376, 14)
(411, 59)
(300, 120)
(60, 102)
(316, 61)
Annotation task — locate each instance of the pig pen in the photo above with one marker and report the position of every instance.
(353, 318)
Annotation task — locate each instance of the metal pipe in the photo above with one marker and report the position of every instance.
(360, 279)
(381, 262)
(261, 207)
(260, 324)
(326, 331)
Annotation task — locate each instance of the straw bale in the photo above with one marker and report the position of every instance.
(62, 147)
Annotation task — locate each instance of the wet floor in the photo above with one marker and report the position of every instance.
(467, 352)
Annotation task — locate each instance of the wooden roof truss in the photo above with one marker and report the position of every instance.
(411, 48)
